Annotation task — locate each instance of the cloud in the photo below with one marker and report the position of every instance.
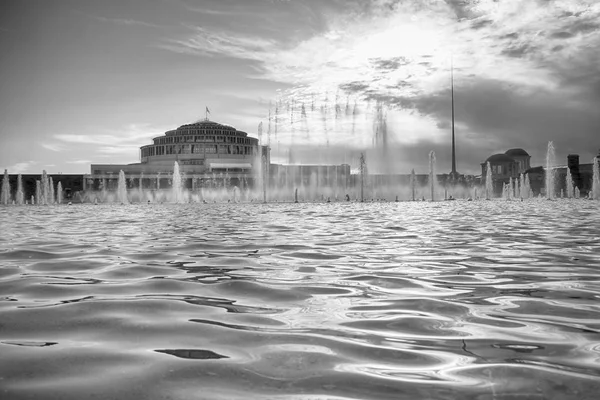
(119, 149)
(526, 71)
(205, 42)
(53, 146)
(125, 22)
(79, 162)
(87, 139)
(20, 167)
(129, 135)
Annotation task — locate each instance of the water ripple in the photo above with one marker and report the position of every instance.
(478, 300)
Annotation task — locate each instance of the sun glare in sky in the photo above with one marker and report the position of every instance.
(94, 81)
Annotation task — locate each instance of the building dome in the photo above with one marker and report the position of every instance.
(517, 153)
(204, 123)
(204, 127)
(499, 158)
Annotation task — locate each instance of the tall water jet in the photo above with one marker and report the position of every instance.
(59, 193)
(43, 199)
(528, 187)
(432, 176)
(525, 189)
(596, 179)
(5, 195)
(50, 191)
(141, 187)
(38, 193)
(122, 189)
(265, 173)
(505, 194)
(413, 183)
(550, 163)
(489, 185)
(569, 183)
(20, 197)
(177, 189)
(363, 171)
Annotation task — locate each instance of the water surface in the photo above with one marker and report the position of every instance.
(446, 300)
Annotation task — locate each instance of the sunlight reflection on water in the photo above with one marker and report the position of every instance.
(471, 300)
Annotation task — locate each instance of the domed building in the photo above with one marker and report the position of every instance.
(521, 157)
(203, 149)
(506, 165)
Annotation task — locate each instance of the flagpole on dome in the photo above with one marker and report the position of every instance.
(207, 113)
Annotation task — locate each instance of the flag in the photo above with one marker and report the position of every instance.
(207, 111)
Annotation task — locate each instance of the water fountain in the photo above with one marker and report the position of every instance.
(50, 191)
(569, 183)
(59, 193)
(550, 173)
(177, 189)
(363, 174)
(413, 183)
(5, 195)
(265, 173)
(596, 179)
(38, 193)
(489, 184)
(319, 183)
(528, 187)
(122, 189)
(432, 175)
(20, 196)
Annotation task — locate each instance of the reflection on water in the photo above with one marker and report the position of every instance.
(469, 300)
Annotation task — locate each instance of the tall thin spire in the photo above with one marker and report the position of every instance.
(454, 173)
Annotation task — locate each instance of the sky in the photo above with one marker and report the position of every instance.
(85, 81)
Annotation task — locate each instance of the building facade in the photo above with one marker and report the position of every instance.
(204, 150)
(505, 166)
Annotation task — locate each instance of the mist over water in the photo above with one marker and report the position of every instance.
(437, 300)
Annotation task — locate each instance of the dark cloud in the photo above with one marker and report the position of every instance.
(517, 50)
(463, 9)
(481, 23)
(354, 87)
(584, 27)
(510, 36)
(389, 64)
(561, 35)
(499, 115)
(444, 125)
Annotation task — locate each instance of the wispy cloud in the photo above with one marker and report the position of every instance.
(53, 146)
(20, 167)
(205, 42)
(125, 141)
(79, 162)
(130, 134)
(509, 41)
(400, 52)
(126, 22)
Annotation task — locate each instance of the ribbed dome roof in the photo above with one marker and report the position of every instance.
(206, 124)
(516, 152)
(500, 157)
